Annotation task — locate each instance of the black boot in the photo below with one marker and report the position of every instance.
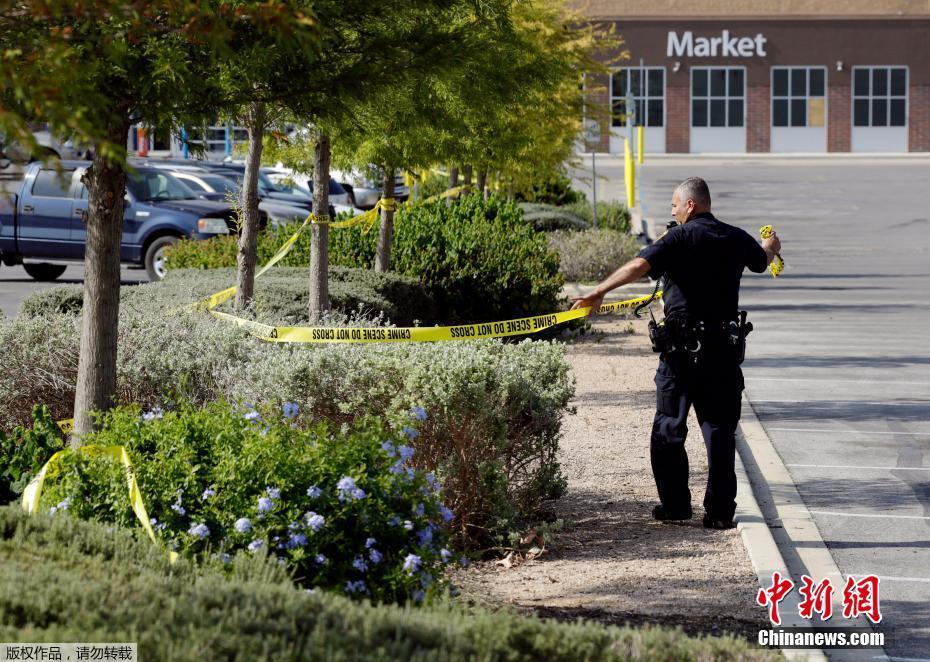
(666, 515)
(720, 524)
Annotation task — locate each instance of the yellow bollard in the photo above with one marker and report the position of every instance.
(629, 175)
(640, 132)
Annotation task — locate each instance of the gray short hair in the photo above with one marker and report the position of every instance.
(694, 188)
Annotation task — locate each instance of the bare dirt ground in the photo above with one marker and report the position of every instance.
(611, 561)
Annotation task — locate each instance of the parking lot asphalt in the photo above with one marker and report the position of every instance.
(16, 285)
(837, 367)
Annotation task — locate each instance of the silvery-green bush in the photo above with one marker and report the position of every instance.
(494, 408)
(592, 254)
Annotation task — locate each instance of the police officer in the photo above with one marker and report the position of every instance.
(701, 260)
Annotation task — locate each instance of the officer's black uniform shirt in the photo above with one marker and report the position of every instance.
(704, 260)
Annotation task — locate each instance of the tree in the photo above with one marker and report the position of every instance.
(91, 70)
(519, 107)
(369, 49)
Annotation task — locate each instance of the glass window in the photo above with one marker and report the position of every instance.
(817, 82)
(699, 112)
(780, 112)
(879, 96)
(799, 112)
(193, 184)
(735, 111)
(798, 96)
(861, 112)
(897, 115)
(647, 87)
(656, 114)
(699, 83)
(879, 112)
(48, 184)
(898, 82)
(656, 83)
(718, 112)
(879, 82)
(798, 82)
(780, 82)
(718, 82)
(151, 186)
(861, 82)
(718, 97)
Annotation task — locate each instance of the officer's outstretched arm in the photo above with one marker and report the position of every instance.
(632, 270)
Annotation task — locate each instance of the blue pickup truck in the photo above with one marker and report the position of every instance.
(42, 222)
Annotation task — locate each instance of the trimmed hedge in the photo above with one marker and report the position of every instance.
(67, 580)
(494, 408)
(611, 215)
(593, 254)
(545, 218)
(478, 258)
(280, 295)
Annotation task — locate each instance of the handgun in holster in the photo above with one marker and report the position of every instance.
(736, 332)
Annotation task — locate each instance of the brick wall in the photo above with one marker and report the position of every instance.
(918, 121)
(839, 125)
(758, 119)
(678, 116)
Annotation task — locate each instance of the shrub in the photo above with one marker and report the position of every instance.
(63, 579)
(281, 295)
(545, 218)
(593, 254)
(495, 408)
(552, 189)
(611, 215)
(341, 508)
(24, 451)
(477, 258)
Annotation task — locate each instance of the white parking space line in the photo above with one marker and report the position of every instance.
(854, 466)
(884, 578)
(905, 434)
(827, 403)
(833, 381)
(867, 515)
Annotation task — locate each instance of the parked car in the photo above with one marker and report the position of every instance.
(213, 186)
(42, 224)
(288, 181)
(365, 191)
(271, 189)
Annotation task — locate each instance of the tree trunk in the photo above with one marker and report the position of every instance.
(453, 176)
(96, 377)
(386, 232)
(483, 182)
(467, 177)
(319, 240)
(248, 237)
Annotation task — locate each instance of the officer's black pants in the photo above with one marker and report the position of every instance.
(714, 387)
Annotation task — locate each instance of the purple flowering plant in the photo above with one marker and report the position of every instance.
(218, 484)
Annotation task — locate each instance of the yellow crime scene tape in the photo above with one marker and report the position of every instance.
(777, 265)
(319, 334)
(501, 329)
(33, 492)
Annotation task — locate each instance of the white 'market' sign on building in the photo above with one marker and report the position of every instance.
(687, 45)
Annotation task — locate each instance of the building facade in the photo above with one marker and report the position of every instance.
(806, 78)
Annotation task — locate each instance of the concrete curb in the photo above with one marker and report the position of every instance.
(779, 532)
(764, 554)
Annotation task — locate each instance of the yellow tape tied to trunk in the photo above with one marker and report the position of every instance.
(32, 495)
